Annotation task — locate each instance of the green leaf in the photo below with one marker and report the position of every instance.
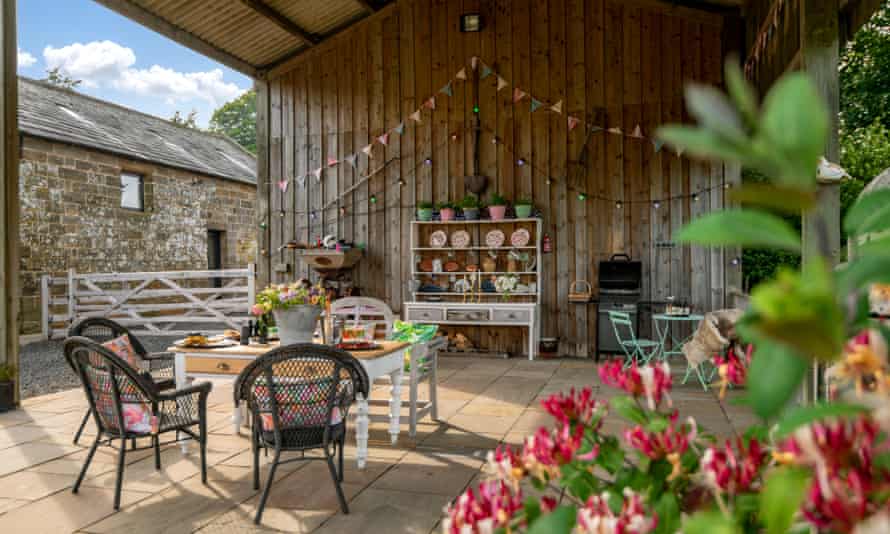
(709, 522)
(785, 199)
(783, 491)
(758, 432)
(872, 245)
(701, 143)
(860, 273)
(668, 510)
(656, 424)
(805, 415)
(866, 206)
(876, 221)
(714, 112)
(741, 92)
(532, 509)
(773, 378)
(560, 520)
(795, 123)
(626, 407)
(611, 456)
(741, 227)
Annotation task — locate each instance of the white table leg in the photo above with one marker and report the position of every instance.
(236, 419)
(361, 431)
(181, 382)
(395, 403)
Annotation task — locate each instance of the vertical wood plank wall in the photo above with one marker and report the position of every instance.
(615, 63)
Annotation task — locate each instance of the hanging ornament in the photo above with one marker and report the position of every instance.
(557, 107)
(502, 83)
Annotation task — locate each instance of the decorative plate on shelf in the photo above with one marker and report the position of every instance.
(472, 268)
(494, 238)
(426, 265)
(451, 266)
(438, 239)
(460, 239)
(520, 237)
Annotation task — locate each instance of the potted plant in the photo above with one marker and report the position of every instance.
(446, 211)
(523, 207)
(425, 211)
(296, 308)
(470, 207)
(497, 207)
(7, 387)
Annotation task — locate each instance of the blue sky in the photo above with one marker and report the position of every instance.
(121, 61)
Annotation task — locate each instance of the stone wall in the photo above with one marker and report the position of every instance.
(71, 218)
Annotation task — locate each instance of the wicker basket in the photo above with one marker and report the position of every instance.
(580, 291)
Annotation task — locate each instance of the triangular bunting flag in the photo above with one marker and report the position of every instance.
(384, 139)
(638, 133)
(657, 143)
(282, 184)
(557, 107)
(486, 72)
(446, 89)
(573, 122)
(536, 104)
(415, 116)
(430, 103)
(400, 129)
(474, 62)
(367, 150)
(461, 74)
(518, 94)
(351, 159)
(317, 173)
(594, 129)
(502, 83)
(616, 131)
(332, 161)
(679, 152)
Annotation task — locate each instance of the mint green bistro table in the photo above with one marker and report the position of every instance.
(671, 344)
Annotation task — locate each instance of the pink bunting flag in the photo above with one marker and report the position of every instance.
(518, 94)
(502, 83)
(461, 74)
(638, 133)
(616, 131)
(317, 173)
(282, 184)
(332, 161)
(557, 107)
(384, 139)
(367, 150)
(474, 62)
(430, 103)
(573, 122)
(415, 116)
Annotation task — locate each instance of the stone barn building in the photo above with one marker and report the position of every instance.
(104, 188)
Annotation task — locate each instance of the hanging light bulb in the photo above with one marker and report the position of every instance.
(727, 185)
(428, 161)
(547, 181)
(520, 162)
(454, 137)
(401, 182)
(618, 204)
(312, 215)
(656, 204)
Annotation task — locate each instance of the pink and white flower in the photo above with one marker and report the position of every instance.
(489, 508)
(578, 407)
(669, 444)
(728, 471)
(652, 381)
(595, 517)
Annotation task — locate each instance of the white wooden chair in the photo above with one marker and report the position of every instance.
(424, 357)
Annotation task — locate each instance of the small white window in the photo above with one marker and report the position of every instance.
(132, 191)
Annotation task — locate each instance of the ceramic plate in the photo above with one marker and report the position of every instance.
(212, 343)
(494, 238)
(451, 266)
(426, 265)
(438, 239)
(520, 237)
(460, 239)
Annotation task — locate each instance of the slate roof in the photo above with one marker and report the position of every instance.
(64, 115)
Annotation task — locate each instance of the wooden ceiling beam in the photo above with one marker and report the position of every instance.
(370, 7)
(283, 22)
(150, 20)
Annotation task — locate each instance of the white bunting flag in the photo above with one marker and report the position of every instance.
(461, 74)
(616, 131)
(502, 83)
(367, 150)
(317, 173)
(557, 107)
(638, 133)
(415, 116)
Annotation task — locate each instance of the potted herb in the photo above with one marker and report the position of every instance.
(425, 211)
(446, 211)
(523, 207)
(470, 207)
(497, 207)
(296, 307)
(7, 387)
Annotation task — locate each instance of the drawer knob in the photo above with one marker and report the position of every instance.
(222, 366)
(511, 316)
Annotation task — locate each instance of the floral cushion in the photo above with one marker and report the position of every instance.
(135, 410)
(122, 347)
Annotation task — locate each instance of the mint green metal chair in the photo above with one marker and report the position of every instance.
(636, 350)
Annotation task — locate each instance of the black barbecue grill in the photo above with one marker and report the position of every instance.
(620, 285)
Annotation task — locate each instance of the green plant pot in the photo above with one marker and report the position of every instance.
(523, 211)
(471, 214)
(424, 214)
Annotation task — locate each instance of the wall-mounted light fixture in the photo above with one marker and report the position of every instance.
(471, 22)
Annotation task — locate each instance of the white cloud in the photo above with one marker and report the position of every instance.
(108, 64)
(26, 59)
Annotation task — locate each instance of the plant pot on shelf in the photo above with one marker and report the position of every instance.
(471, 214)
(297, 323)
(446, 214)
(7, 396)
(424, 214)
(497, 213)
(523, 211)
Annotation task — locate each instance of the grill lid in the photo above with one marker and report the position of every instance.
(620, 273)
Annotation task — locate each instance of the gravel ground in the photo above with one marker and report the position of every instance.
(44, 369)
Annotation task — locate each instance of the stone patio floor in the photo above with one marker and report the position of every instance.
(482, 403)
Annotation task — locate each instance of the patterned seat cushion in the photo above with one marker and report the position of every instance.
(123, 348)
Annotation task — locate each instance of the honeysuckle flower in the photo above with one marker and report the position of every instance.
(732, 369)
(546, 451)
(863, 363)
(578, 407)
(729, 471)
(669, 444)
(489, 508)
(832, 444)
(650, 381)
(839, 504)
(595, 517)
(505, 465)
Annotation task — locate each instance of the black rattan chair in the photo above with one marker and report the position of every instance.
(299, 396)
(127, 405)
(100, 330)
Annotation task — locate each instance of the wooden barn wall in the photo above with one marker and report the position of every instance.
(780, 23)
(616, 63)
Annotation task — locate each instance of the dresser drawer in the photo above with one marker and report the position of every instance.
(468, 315)
(215, 365)
(511, 316)
(425, 314)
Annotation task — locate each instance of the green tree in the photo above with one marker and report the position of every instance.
(237, 119)
(56, 77)
(189, 121)
(865, 76)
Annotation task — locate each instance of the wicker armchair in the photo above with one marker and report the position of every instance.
(299, 396)
(127, 405)
(159, 365)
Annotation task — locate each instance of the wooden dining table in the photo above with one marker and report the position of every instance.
(227, 362)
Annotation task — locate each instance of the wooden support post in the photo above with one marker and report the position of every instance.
(819, 53)
(263, 253)
(9, 205)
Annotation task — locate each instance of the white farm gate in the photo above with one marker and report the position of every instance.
(159, 303)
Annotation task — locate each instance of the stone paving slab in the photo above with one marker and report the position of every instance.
(483, 403)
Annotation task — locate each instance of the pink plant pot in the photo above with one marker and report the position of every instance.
(446, 214)
(497, 213)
